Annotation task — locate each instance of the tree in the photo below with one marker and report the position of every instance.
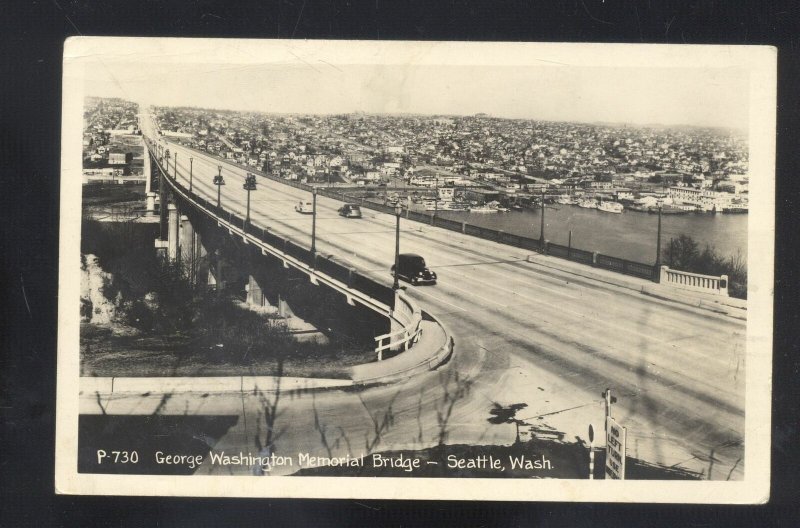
(681, 253)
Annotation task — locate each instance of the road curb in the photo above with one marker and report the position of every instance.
(105, 386)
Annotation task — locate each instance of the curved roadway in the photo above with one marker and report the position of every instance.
(524, 334)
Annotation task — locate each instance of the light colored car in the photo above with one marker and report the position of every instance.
(305, 207)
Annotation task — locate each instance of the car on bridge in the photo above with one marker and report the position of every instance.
(413, 269)
(304, 207)
(350, 211)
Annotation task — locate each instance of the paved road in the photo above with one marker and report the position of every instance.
(523, 334)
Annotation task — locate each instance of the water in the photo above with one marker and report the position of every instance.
(630, 235)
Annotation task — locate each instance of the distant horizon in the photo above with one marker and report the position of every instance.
(674, 96)
(418, 114)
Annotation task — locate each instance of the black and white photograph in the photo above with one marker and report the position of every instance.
(420, 270)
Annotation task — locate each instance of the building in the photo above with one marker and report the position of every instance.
(481, 196)
(702, 199)
(118, 157)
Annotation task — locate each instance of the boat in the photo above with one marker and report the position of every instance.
(564, 200)
(498, 207)
(588, 204)
(450, 205)
(610, 207)
(735, 209)
(483, 209)
(668, 210)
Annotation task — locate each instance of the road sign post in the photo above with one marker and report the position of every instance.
(616, 440)
(591, 452)
(609, 399)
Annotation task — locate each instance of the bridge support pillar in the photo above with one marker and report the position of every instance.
(215, 277)
(148, 173)
(255, 295)
(173, 233)
(151, 203)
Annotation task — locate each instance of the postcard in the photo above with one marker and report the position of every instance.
(416, 270)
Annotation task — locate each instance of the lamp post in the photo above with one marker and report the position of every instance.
(175, 166)
(436, 196)
(658, 239)
(191, 163)
(249, 185)
(314, 222)
(219, 181)
(398, 209)
(541, 227)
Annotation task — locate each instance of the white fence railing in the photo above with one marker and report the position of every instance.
(694, 281)
(408, 314)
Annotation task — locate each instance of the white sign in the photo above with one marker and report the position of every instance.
(615, 449)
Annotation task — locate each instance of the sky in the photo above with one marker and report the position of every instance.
(552, 92)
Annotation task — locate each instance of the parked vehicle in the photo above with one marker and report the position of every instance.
(413, 269)
(350, 211)
(304, 207)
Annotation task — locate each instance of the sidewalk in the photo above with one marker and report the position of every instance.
(222, 384)
(716, 303)
(729, 306)
(430, 351)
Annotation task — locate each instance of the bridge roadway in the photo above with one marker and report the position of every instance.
(523, 334)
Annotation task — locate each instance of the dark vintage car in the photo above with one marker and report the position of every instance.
(413, 269)
(350, 211)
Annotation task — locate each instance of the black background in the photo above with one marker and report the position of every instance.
(32, 35)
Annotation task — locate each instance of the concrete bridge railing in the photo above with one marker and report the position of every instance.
(355, 286)
(409, 316)
(694, 281)
(405, 315)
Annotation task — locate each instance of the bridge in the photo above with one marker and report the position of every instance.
(524, 330)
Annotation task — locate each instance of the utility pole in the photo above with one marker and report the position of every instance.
(398, 209)
(191, 163)
(541, 227)
(657, 271)
(314, 223)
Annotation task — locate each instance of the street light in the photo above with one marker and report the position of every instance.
(175, 166)
(541, 227)
(660, 203)
(398, 209)
(219, 181)
(314, 222)
(191, 163)
(436, 196)
(249, 185)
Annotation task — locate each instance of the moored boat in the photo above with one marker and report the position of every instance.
(610, 207)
